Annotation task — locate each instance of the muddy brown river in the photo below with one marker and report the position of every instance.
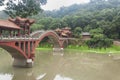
(67, 65)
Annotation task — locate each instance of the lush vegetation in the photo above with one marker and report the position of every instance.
(1, 2)
(23, 8)
(98, 16)
(99, 41)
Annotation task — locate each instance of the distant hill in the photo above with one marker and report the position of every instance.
(64, 11)
(93, 6)
(3, 15)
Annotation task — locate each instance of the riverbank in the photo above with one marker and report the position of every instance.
(112, 50)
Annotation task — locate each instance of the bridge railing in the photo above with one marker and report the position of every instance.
(24, 37)
(17, 38)
(36, 32)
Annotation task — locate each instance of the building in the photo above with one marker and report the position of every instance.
(15, 27)
(64, 32)
(9, 28)
(85, 36)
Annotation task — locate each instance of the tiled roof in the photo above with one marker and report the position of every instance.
(8, 24)
(22, 21)
(85, 33)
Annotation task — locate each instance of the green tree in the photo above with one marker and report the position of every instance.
(46, 21)
(24, 8)
(77, 31)
(36, 27)
(96, 31)
(114, 30)
(1, 2)
(57, 23)
(99, 41)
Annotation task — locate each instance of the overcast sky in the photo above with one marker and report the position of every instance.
(56, 4)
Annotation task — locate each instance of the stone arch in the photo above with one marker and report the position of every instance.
(52, 35)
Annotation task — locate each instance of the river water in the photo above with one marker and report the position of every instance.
(67, 65)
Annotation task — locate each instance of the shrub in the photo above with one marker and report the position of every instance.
(99, 41)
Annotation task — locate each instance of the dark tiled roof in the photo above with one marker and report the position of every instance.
(22, 21)
(8, 24)
(85, 33)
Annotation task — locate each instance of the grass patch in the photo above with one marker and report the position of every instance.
(86, 49)
(112, 49)
(41, 48)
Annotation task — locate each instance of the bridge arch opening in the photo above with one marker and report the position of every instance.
(46, 42)
(18, 56)
(50, 41)
(49, 36)
(13, 51)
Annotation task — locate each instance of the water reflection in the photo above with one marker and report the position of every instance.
(59, 77)
(23, 74)
(6, 76)
(41, 76)
(63, 66)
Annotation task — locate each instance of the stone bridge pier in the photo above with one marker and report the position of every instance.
(28, 63)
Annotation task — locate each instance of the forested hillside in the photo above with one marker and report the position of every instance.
(101, 17)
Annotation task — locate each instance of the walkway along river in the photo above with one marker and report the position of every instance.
(62, 66)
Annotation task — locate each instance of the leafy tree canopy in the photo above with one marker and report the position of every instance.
(1, 2)
(24, 8)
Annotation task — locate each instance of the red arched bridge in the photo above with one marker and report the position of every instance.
(22, 49)
(21, 44)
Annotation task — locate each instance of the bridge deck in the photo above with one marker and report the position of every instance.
(32, 37)
(28, 38)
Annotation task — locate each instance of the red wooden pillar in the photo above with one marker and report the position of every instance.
(29, 49)
(24, 46)
(19, 44)
(32, 55)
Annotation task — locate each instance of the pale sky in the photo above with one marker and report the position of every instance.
(56, 4)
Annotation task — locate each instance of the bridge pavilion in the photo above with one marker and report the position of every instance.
(8, 28)
(15, 27)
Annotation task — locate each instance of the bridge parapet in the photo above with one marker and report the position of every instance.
(16, 38)
(33, 34)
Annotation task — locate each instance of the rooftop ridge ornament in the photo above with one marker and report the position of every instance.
(22, 21)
